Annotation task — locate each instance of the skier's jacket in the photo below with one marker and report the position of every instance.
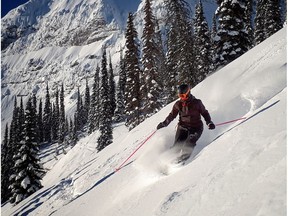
(190, 112)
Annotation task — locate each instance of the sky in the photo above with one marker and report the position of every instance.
(230, 169)
(7, 5)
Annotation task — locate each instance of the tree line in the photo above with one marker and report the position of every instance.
(150, 68)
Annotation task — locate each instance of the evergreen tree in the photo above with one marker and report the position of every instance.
(232, 39)
(171, 76)
(55, 122)
(273, 21)
(5, 169)
(93, 121)
(86, 105)
(66, 127)
(17, 138)
(120, 103)
(75, 129)
(79, 117)
(259, 33)
(14, 127)
(47, 118)
(71, 129)
(54, 119)
(283, 9)
(12, 149)
(62, 130)
(21, 120)
(34, 100)
(150, 86)
(105, 120)
(181, 36)
(132, 86)
(213, 42)
(40, 123)
(203, 53)
(248, 24)
(27, 167)
(112, 87)
(214, 27)
(160, 61)
(34, 104)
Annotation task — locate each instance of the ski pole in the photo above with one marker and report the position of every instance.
(234, 120)
(141, 144)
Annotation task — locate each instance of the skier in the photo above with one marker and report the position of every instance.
(190, 126)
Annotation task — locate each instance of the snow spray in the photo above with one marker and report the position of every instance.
(141, 144)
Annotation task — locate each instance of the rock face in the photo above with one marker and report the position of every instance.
(39, 24)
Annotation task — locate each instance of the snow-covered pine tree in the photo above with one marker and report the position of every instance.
(40, 122)
(248, 24)
(71, 129)
(54, 119)
(62, 104)
(213, 43)
(170, 79)
(105, 120)
(232, 38)
(132, 86)
(66, 127)
(14, 137)
(62, 130)
(27, 168)
(47, 117)
(5, 169)
(78, 115)
(180, 22)
(86, 105)
(34, 101)
(150, 86)
(273, 22)
(21, 119)
(57, 115)
(74, 136)
(120, 101)
(203, 51)
(268, 19)
(259, 29)
(283, 7)
(13, 146)
(112, 87)
(93, 120)
(160, 61)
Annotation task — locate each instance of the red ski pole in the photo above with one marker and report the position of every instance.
(141, 144)
(234, 120)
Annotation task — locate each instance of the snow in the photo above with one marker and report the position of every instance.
(237, 169)
(26, 182)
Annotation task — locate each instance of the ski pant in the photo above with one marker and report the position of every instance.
(187, 136)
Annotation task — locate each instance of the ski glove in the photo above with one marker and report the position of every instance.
(211, 126)
(161, 125)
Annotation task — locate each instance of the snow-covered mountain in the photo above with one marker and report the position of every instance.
(237, 169)
(60, 41)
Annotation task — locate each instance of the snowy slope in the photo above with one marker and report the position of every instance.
(237, 169)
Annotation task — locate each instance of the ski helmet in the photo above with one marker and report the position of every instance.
(183, 91)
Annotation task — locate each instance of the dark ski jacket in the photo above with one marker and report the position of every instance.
(190, 112)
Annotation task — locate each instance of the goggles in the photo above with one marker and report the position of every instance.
(185, 95)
